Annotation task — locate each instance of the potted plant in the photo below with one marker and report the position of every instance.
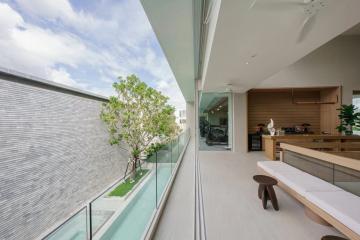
(349, 117)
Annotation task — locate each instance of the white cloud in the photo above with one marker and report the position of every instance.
(159, 68)
(49, 46)
(126, 21)
(119, 44)
(29, 46)
(8, 20)
(37, 51)
(63, 11)
(62, 76)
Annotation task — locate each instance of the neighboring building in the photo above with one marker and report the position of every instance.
(181, 119)
(54, 154)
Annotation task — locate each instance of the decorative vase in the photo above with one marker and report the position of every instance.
(349, 130)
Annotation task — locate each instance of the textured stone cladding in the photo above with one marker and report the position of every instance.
(54, 157)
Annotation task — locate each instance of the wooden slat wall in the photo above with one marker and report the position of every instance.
(278, 105)
(328, 113)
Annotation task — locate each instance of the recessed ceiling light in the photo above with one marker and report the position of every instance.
(247, 63)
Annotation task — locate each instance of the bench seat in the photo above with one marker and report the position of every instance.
(303, 182)
(296, 179)
(339, 204)
(343, 206)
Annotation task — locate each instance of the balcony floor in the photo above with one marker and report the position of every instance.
(177, 220)
(233, 210)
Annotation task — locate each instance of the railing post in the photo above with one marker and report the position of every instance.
(156, 184)
(90, 221)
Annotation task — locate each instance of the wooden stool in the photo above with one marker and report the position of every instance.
(266, 190)
(329, 237)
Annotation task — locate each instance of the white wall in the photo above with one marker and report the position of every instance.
(337, 63)
(240, 122)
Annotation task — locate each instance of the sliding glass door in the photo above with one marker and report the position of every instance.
(215, 121)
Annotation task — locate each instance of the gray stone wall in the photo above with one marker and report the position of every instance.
(54, 155)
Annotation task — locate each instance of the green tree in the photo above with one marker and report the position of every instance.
(138, 115)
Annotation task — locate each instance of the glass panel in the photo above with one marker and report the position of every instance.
(75, 228)
(310, 165)
(135, 210)
(175, 150)
(163, 171)
(348, 179)
(215, 123)
(181, 141)
(173, 154)
(345, 178)
(101, 212)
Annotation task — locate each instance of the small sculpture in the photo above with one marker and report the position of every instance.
(271, 128)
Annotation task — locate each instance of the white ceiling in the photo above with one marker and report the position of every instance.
(252, 45)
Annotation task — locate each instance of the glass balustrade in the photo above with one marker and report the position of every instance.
(75, 228)
(127, 208)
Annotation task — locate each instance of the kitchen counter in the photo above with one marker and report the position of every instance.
(272, 143)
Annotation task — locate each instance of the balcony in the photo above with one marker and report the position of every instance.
(232, 209)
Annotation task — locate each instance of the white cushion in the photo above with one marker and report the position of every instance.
(296, 179)
(343, 206)
(303, 182)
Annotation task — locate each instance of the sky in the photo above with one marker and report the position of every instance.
(84, 44)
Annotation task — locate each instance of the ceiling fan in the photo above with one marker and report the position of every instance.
(311, 9)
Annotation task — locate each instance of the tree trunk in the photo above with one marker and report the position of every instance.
(133, 168)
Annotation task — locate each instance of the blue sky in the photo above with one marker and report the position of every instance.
(84, 44)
